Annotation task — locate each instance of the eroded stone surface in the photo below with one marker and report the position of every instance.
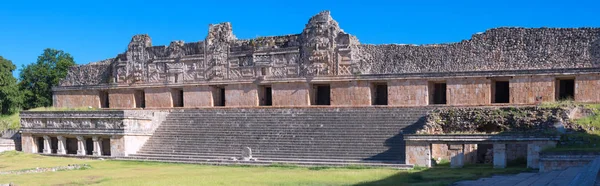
(324, 49)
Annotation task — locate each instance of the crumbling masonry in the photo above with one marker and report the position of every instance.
(321, 75)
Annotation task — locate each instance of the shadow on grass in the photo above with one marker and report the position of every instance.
(444, 175)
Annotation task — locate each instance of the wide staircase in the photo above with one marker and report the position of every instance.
(367, 136)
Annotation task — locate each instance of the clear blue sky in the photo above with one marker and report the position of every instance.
(98, 29)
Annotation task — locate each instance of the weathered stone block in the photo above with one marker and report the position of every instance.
(418, 154)
(197, 96)
(351, 93)
(291, 94)
(121, 98)
(411, 92)
(158, 97)
(499, 155)
(75, 99)
(586, 88)
(531, 89)
(241, 95)
(468, 91)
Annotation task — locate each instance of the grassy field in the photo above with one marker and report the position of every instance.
(111, 172)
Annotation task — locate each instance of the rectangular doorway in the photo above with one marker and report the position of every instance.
(71, 145)
(54, 144)
(89, 146)
(106, 146)
(177, 97)
(104, 99)
(379, 94)
(40, 144)
(500, 92)
(565, 89)
(140, 99)
(322, 94)
(218, 93)
(437, 93)
(265, 95)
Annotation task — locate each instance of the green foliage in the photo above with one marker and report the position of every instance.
(10, 122)
(10, 98)
(38, 79)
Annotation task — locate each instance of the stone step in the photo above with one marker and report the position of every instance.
(283, 134)
(262, 158)
(259, 162)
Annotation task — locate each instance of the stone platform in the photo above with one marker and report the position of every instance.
(367, 136)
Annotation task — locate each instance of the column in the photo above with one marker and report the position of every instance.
(457, 155)
(80, 145)
(47, 147)
(418, 154)
(62, 145)
(97, 146)
(499, 155)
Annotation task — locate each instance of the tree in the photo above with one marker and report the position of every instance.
(10, 98)
(38, 79)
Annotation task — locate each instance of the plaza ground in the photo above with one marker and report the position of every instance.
(112, 172)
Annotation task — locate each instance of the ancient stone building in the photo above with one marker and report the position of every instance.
(316, 78)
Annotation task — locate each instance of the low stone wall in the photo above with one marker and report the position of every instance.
(7, 145)
(559, 161)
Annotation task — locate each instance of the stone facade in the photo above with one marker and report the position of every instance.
(532, 60)
(125, 132)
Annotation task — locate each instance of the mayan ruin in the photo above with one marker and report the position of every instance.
(320, 97)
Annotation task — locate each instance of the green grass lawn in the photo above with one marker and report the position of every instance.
(112, 172)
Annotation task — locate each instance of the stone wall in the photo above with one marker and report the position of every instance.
(7, 145)
(468, 91)
(241, 95)
(323, 49)
(494, 49)
(198, 96)
(353, 93)
(559, 161)
(291, 94)
(158, 97)
(532, 89)
(128, 130)
(74, 99)
(408, 92)
(586, 88)
(121, 98)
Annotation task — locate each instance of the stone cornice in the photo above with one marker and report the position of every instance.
(366, 77)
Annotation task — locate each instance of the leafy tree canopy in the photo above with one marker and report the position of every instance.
(37, 79)
(10, 98)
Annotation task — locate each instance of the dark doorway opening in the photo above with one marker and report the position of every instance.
(71, 145)
(380, 94)
(322, 94)
(565, 89)
(104, 99)
(106, 147)
(219, 96)
(485, 153)
(438, 94)
(177, 96)
(266, 96)
(89, 146)
(54, 144)
(40, 144)
(500, 92)
(140, 99)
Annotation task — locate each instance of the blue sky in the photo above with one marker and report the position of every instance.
(95, 30)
